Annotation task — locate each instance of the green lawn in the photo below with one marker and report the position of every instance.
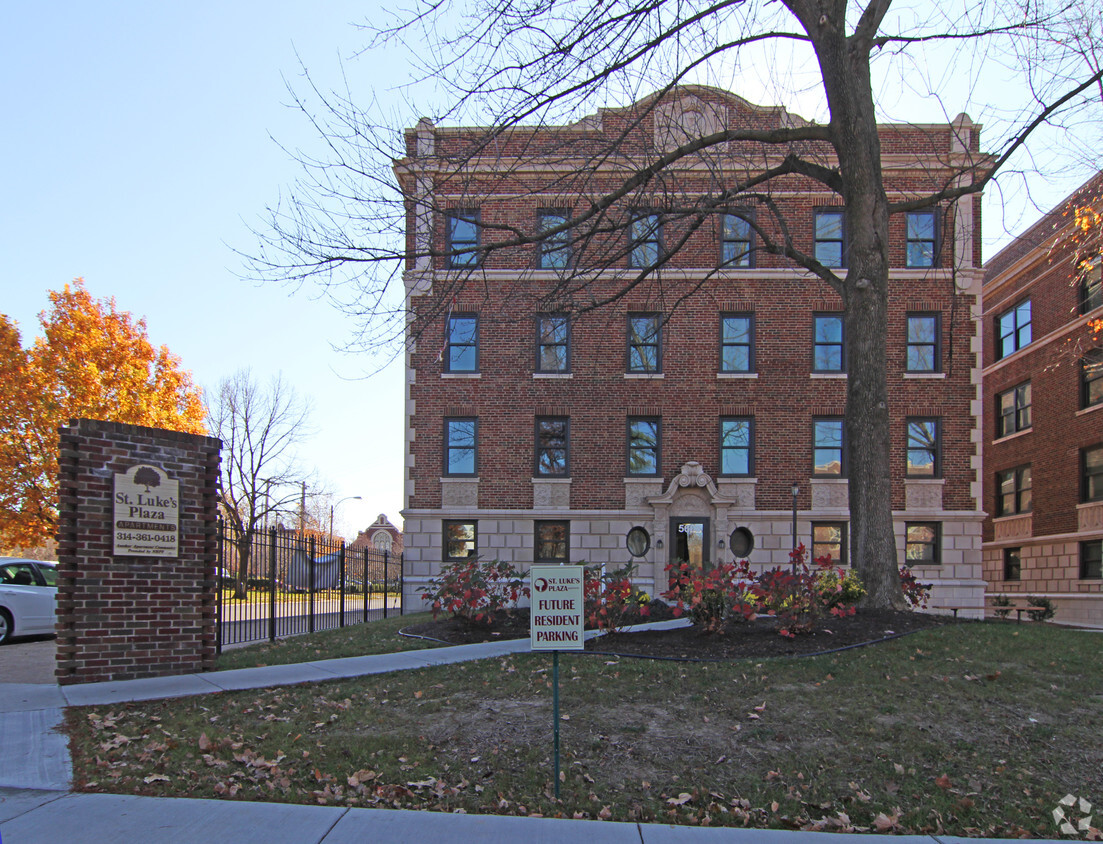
(374, 637)
(968, 729)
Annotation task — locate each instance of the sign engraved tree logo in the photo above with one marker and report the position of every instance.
(147, 477)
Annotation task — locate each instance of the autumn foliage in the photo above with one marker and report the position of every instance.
(92, 361)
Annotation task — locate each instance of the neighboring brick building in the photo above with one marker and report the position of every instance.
(381, 536)
(1043, 428)
(686, 408)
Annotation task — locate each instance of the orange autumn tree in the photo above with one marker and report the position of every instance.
(92, 361)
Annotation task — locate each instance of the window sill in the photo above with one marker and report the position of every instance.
(461, 375)
(1014, 436)
(828, 376)
(644, 376)
(455, 479)
(1091, 409)
(930, 481)
(924, 376)
(545, 479)
(643, 479)
(736, 376)
(553, 376)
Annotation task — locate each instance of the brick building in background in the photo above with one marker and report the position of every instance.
(1043, 429)
(686, 408)
(380, 537)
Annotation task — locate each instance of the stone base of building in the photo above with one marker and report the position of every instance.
(599, 537)
(1047, 567)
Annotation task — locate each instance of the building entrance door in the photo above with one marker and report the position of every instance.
(689, 542)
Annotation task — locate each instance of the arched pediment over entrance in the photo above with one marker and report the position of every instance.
(693, 483)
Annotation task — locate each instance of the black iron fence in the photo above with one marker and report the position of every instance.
(282, 583)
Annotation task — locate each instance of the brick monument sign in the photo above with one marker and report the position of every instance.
(137, 550)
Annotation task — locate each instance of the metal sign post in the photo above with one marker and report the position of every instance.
(556, 624)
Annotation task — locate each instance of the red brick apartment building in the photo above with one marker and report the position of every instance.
(1043, 426)
(674, 420)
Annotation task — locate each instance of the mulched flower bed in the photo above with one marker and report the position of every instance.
(748, 640)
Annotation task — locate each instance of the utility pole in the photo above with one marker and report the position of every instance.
(302, 510)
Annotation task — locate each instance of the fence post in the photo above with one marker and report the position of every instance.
(401, 583)
(386, 582)
(310, 582)
(341, 552)
(218, 586)
(367, 579)
(272, 584)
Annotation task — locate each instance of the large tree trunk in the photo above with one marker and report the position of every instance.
(844, 63)
(244, 554)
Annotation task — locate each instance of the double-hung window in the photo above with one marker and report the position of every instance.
(643, 445)
(460, 445)
(551, 542)
(1013, 410)
(555, 251)
(736, 240)
(645, 240)
(1091, 378)
(1091, 465)
(737, 343)
(924, 448)
(462, 343)
(829, 540)
(464, 233)
(1013, 329)
(1091, 291)
(737, 446)
(460, 540)
(830, 237)
(1012, 563)
(644, 346)
(922, 239)
(827, 343)
(1013, 493)
(1091, 559)
(828, 448)
(552, 438)
(924, 343)
(553, 336)
(923, 543)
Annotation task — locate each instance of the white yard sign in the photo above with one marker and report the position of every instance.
(147, 514)
(557, 611)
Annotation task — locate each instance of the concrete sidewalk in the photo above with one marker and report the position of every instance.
(36, 806)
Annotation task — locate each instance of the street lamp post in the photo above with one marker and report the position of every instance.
(332, 507)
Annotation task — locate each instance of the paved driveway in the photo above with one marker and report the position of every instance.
(28, 661)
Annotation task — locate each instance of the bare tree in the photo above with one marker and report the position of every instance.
(260, 427)
(514, 64)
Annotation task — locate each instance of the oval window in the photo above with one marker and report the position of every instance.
(638, 542)
(741, 543)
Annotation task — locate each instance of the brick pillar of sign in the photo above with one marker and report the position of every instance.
(121, 618)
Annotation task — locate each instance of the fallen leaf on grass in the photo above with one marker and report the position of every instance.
(680, 800)
(361, 776)
(884, 823)
(152, 778)
(943, 781)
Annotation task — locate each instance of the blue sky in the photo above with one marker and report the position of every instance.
(137, 149)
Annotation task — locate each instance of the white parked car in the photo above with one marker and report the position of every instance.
(28, 597)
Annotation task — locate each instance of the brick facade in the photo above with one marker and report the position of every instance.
(121, 618)
(689, 394)
(1048, 539)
